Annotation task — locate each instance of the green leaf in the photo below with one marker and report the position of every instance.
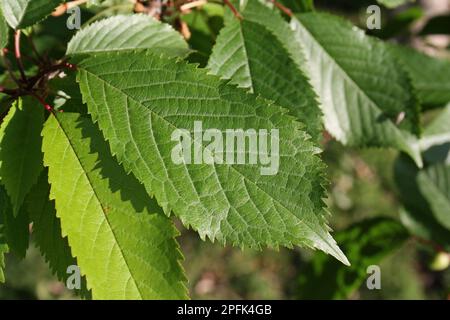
(251, 55)
(417, 215)
(69, 97)
(298, 6)
(366, 243)
(391, 4)
(434, 184)
(47, 232)
(24, 13)
(140, 100)
(274, 23)
(3, 244)
(20, 149)
(4, 31)
(362, 90)
(425, 193)
(125, 33)
(430, 76)
(123, 245)
(16, 227)
(435, 142)
(204, 24)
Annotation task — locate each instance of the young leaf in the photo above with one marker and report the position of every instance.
(120, 33)
(251, 55)
(364, 94)
(20, 149)
(47, 232)
(140, 100)
(124, 247)
(16, 227)
(24, 13)
(430, 76)
(366, 243)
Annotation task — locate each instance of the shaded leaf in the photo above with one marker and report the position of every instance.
(430, 76)
(426, 193)
(3, 245)
(252, 56)
(47, 232)
(124, 247)
(20, 149)
(360, 87)
(437, 25)
(24, 13)
(16, 227)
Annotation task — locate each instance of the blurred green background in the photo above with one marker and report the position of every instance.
(361, 187)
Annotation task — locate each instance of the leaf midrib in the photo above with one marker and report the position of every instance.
(100, 204)
(342, 71)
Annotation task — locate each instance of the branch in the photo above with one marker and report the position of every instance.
(281, 7)
(59, 11)
(233, 9)
(43, 103)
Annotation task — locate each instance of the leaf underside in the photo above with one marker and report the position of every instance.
(361, 89)
(24, 13)
(251, 55)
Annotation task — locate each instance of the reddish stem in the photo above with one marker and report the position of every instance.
(47, 107)
(233, 9)
(282, 8)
